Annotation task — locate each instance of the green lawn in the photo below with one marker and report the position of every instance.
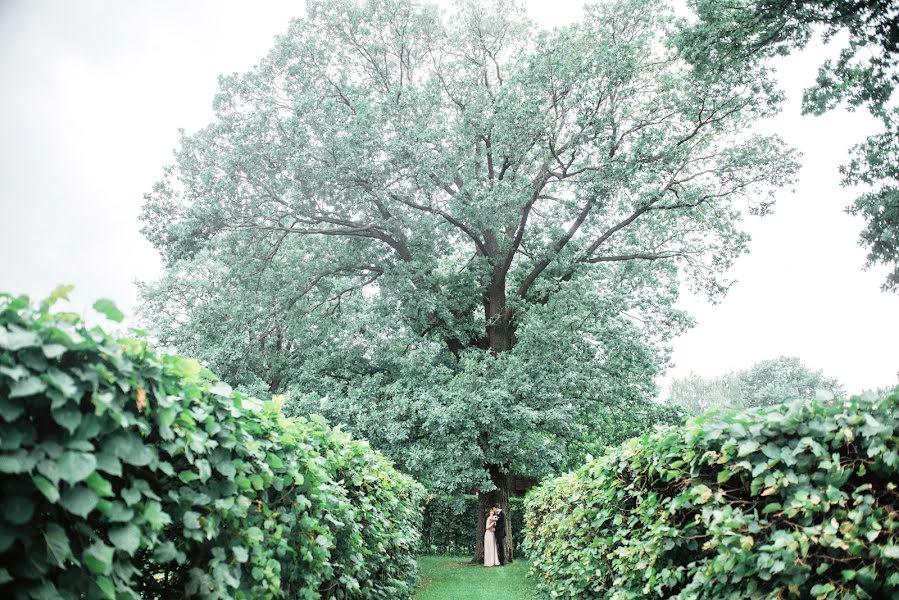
(455, 578)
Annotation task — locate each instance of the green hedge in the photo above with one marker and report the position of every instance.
(127, 474)
(795, 501)
(449, 524)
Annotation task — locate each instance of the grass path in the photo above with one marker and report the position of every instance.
(455, 578)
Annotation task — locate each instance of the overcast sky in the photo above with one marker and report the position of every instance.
(94, 91)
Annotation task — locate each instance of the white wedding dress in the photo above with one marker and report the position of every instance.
(491, 558)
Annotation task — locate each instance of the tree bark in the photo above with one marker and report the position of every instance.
(502, 493)
(500, 338)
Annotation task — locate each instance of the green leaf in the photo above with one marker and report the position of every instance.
(130, 496)
(61, 381)
(52, 351)
(79, 500)
(240, 554)
(109, 463)
(126, 538)
(155, 516)
(68, 417)
(57, 541)
(15, 372)
(747, 447)
(188, 476)
(106, 587)
(16, 339)
(191, 520)
(45, 590)
(5, 577)
(98, 558)
(21, 461)
(101, 486)
(60, 293)
(140, 455)
(76, 466)
(254, 535)
(108, 309)
(25, 387)
(16, 509)
(46, 487)
(274, 461)
(11, 410)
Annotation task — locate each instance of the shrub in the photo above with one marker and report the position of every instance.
(449, 524)
(128, 474)
(794, 501)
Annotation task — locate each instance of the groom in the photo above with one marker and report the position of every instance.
(500, 534)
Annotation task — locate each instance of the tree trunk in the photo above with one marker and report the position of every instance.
(503, 482)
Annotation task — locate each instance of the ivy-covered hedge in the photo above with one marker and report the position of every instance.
(128, 474)
(795, 501)
(449, 524)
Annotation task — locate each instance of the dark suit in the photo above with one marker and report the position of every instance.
(501, 537)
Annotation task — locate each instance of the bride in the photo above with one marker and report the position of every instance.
(491, 558)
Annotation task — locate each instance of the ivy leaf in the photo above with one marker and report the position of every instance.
(191, 520)
(57, 542)
(21, 461)
(26, 387)
(60, 293)
(240, 554)
(108, 309)
(15, 373)
(62, 382)
(16, 339)
(155, 516)
(79, 500)
(69, 418)
(125, 538)
(46, 487)
(16, 509)
(101, 486)
(98, 558)
(52, 351)
(106, 587)
(76, 466)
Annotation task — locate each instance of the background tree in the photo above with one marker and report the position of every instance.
(458, 235)
(765, 383)
(866, 73)
(697, 394)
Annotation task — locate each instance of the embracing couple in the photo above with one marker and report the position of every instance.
(495, 538)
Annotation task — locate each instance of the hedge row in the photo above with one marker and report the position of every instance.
(449, 524)
(127, 474)
(795, 501)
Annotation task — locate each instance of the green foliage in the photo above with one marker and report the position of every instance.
(765, 383)
(128, 474)
(449, 524)
(793, 501)
(866, 73)
(457, 234)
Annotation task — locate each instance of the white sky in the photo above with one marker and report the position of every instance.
(93, 93)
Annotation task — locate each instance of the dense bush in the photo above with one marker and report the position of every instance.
(795, 501)
(128, 474)
(449, 524)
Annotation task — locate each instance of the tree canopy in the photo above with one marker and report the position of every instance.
(865, 74)
(457, 234)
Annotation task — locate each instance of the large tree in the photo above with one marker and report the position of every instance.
(457, 234)
(865, 74)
